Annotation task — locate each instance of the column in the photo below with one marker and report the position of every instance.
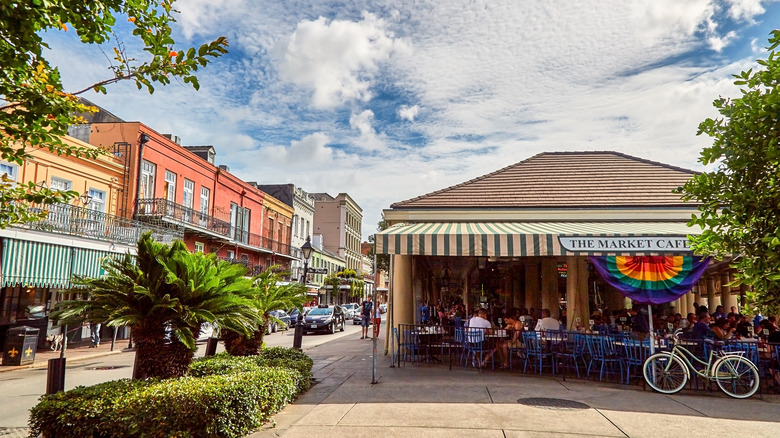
(576, 292)
(726, 298)
(683, 305)
(532, 292)
(712, 302)
(550, 297)
(465, 291)
(403, 304)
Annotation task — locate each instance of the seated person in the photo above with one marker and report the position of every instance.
(701, 329)
(688, 322)
(599, 326)
(721, 329)
(515, 330)
(547, 322)
(744, 326)
(477, 328)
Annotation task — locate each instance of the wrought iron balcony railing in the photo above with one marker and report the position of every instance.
(163, 208)
(80, 221)
(159, 208)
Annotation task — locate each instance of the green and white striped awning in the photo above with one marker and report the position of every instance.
(35, 264)
(534, 239)
(89, 262)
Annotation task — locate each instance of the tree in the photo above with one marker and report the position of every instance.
(382, 260)
(36, 112)
(164, 295)
(740, 199)
(268, 293)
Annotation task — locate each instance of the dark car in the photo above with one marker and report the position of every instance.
(282, 321)
(294, 316)
(324, 319)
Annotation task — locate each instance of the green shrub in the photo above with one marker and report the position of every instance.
(85, 411)
(228, 405)
(279, 357)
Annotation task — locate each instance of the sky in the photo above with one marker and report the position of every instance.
(389, 100)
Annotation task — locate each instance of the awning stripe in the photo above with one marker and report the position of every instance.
(35, 264)
(525, 239)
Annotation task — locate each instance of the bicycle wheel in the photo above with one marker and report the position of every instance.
(665, 373)
(736, 376)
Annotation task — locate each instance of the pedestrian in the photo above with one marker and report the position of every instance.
(377, 320)
(94, 331)
(365, 316)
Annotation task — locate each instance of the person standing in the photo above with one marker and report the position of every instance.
(377, 320)
(94, 331)
(365, 316)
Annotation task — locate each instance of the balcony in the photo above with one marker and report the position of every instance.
(159, 209)
(82, 222)
(261, 242)
(167, 211)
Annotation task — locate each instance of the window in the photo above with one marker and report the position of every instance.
(148, 171)
(200, 247)
(97, 200)
(188, 197)
(60, 184)
(295, 221)
(170, 186)
(239, 222)
(10, 172)
(204, 205)
(231, 254)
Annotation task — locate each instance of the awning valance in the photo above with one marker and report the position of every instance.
(534, 239)
(35, 264)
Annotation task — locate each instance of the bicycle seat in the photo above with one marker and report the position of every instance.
(717, 343)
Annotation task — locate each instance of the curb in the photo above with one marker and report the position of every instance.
(45, 363)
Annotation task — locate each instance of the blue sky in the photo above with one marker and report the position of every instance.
(388, 100)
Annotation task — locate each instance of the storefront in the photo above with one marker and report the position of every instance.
(522, 236)
(34, 276)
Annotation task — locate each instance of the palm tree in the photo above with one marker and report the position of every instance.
(269, 293)
(164, 295)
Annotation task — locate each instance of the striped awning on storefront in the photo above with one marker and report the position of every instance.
(35, 264)
(534, 239)
(89, 262)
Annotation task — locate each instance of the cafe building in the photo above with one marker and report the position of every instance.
(523, 236)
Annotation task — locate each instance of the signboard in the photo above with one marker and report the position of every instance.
(317, 271)
(625, 244)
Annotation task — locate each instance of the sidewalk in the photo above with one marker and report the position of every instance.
(73, 354)
(429, 400)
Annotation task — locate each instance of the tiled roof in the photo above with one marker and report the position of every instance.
(565, 180)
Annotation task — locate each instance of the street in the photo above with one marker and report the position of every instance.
(20, 389)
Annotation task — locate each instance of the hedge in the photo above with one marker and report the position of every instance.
(223, 363)
(225, 396)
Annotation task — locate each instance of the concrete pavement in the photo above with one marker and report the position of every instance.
(430, 400)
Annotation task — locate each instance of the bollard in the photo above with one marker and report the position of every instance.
(298, 332)
(211, 347)
(55, 376)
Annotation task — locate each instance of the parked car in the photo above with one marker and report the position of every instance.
(350, 310)
(324, 318)
(293, 313)
(275, 325)
(358, 318)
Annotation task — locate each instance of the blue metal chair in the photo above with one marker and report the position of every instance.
(604, 353)
(520, 351)
(536, 351)
(636, 352)
(410, 344)
(475, 347)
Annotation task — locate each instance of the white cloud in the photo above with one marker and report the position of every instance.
(368, 139)
(745, 9)
(408, 112)
(337, 60)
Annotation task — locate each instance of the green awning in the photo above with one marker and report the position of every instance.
(35, 264)
(89, 262)
(534, 239)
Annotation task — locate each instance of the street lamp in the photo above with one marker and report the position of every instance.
(306, 249)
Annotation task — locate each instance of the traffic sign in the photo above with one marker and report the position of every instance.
(317, 270)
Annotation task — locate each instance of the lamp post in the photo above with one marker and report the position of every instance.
(306, 250)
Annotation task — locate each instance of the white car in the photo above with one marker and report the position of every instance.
(350, 310)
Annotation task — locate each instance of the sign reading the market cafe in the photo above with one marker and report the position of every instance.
(625, 244)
